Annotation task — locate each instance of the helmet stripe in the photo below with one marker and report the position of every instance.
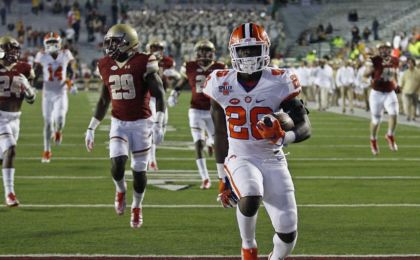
(247, 31)
(251, 29)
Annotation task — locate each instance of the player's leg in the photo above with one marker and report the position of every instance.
(376, 101)
(47, 110)
(8, 152)
(247, 183)
(343, 98)
(280, 203)
(140, 143)
(350, 94)
(152, 160)
(392, 107)
(197, 131)
(118, 152)
(209, 126)
(59, 116)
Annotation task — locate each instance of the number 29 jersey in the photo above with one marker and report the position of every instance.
(54, 71)
(126, 84)
(243, 109)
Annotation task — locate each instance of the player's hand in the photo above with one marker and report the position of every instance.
(157, 133)
(73, 90)
(226, 196)
(397, 90)
(89, 139)
(270, 129)
(26, 88)
(173, 98)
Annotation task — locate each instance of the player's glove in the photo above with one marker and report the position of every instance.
(226, 196)
(90, 134)
(173, 98)
(157, 129)
(397, 90)
(270, 129)
(26, 88)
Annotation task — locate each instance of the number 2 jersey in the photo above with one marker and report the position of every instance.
(243, 109)
(383, 73)
(196, 76)
(10, 89)
(126, 84)
(54, 71)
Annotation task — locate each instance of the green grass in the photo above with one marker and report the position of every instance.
(339, 147)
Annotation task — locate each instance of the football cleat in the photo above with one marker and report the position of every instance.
(374, 147)
(391, 143)
(249, 253)
(120, 202)
(205, 185)
(11, 200)
(58, 137)
(153, 166)
(136, 218)
(46, 157)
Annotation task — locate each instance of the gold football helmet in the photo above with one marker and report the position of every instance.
(204, 51)
(120, 41)
(9, 49)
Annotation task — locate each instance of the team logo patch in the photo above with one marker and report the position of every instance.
(225, 89)
(114, 67)
(248, 99)
(234, 101)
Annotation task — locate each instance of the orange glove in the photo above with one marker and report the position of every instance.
(269, 128)
(226, 196)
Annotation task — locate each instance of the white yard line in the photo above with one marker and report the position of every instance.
(367, 159)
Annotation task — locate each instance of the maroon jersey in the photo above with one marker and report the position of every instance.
(196, 77)
(10, 90)
(383, 74)
(127, 88)
(166, 63)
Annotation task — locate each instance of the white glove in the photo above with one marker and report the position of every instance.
(73, 90)
(173, 98)
(157, 128)
(90, 133)
(89, 139)
(27, 89)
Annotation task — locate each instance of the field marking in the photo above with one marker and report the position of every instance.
(359, 159)
(183, 177)
(208, 257)
(196, 206)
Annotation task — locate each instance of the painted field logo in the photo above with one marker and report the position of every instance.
(225, 89)
(234, 101)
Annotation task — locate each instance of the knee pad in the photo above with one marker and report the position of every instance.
(139, 162)
(118, 167)
(287, 237)
(199, 146)
(249, 205)
(376, 119)
(139, 181)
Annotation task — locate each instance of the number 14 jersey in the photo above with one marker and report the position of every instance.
(243, 109)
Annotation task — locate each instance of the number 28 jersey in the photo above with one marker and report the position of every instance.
(54, 71)
(126, 84)
(243, 109)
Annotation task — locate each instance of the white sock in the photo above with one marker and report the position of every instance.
(121, 185)
(153, 153)
(202, 168)
(8, 180)
(281, 249)
(47, 138)
(247, 229)
(390, 132)
(137, 199)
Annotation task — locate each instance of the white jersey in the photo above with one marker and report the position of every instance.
(54, 70)
(244, 109)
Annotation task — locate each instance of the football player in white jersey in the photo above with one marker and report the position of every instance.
(251, 165)
(55, 65)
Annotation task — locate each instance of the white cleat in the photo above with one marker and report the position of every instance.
(205, 185)
(46, 157)
(120, 203)
(136, 218)
(11, 200)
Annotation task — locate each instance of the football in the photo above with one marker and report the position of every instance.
(285, 120)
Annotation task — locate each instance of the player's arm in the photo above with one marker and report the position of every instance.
(70, 77)
(173, 96)
(98, 116)
(368, 69)
(156, 90)
(299, 114)
(37, 71)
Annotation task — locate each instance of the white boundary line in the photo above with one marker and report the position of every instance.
(196, 206)
(360, 159)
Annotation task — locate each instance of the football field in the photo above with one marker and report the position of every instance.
(349, 202)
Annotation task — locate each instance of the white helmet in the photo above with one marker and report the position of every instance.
(52, 42)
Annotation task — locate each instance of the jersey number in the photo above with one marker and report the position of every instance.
(6, 88)
(238, 119)
(199, 83)
(122, 87)
(55, 74)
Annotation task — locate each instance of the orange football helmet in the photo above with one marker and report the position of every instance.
(52, 42)
(246, 36)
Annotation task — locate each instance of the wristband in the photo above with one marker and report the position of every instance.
(288, 138)
(93, 124)
(221, 170)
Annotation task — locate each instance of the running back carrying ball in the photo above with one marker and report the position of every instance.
(286, 122)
